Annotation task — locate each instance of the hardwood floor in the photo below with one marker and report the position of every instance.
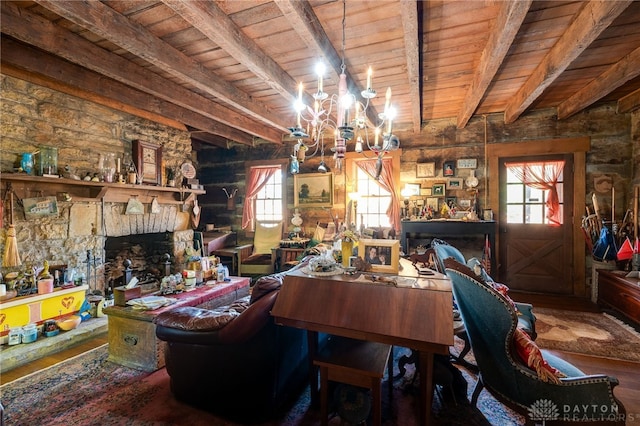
(50, 360)
(628, 373)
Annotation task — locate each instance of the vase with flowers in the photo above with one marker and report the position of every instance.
(348, 239)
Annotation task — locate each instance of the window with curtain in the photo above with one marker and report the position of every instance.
(376, 182)
(535, 192)
(269, 199)
(374, 201)
(264, 198)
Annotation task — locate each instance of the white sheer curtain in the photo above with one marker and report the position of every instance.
(258, 177)
(542, 175)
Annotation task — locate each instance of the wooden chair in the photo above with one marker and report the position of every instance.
(257, 259)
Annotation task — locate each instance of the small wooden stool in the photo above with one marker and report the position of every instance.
(353, 362)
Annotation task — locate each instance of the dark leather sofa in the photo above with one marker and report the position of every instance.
(243, 367)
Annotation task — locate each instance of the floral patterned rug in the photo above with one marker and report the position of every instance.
(90, 390)
(586, 333)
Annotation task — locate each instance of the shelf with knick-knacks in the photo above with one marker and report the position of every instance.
(66, 189)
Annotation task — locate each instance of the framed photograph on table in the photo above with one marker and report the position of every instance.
(383, 255)
(147, 157)
(313, 190)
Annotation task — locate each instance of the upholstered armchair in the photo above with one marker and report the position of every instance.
(491, 322)
(444, 250)
(257, 259)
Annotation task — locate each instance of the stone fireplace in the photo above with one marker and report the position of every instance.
(93, 218)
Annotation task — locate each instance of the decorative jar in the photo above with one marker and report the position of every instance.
(347, 251)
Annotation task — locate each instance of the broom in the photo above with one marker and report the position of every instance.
(11, 256)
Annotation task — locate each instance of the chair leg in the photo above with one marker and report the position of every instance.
(465, 350)
(476, 391)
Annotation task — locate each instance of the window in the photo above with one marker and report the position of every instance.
(376, 184)
(530, 203)
(265, 197)
(269, 199)
(373, 201)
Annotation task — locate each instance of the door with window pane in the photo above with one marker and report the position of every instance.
(535, 245)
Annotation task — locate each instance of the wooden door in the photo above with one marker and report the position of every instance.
(535, 255)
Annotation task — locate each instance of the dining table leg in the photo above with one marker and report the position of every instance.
(425, 367)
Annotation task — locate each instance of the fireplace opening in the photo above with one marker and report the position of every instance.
(148, 256)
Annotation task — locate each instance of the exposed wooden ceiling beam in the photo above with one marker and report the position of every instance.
(308, 27)
(594, 18)
(209, 139)
(629, 103)
(501, 37)
(409, 16)
(51, 71)
(100, 19)
(614, 77)
(211, 21)
(40, 32)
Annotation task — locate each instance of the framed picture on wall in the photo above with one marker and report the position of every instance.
(437, 190)
(313, 190)
(449, 169)
(425, 169)
(454, 183)
(383, 255)
(433, 203)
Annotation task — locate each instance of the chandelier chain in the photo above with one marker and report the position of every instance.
(344, 25)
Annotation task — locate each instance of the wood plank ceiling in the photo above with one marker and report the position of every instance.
(228, 70)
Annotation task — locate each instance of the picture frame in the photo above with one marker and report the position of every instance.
(433, 203)
(425, 192)
(454, 183)
(412, 189)
(387, 254)
(313, 190)
(40, 207)
(464, 203)
(449, 169)
(425, 169)
(467, 163)
(147, 158)
(438, 190)
(451, 201)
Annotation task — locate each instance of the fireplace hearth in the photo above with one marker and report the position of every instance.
(147, 253)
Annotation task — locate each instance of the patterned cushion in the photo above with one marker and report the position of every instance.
(531, 356)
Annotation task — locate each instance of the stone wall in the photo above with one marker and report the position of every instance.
(34, 116)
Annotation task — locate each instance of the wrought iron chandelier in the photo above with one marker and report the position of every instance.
(341, 117)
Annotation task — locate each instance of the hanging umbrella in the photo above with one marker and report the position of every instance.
(11, 256)
(605, 248)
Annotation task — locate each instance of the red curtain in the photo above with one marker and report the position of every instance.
(542, 175)
(385, 180)
(258, 177)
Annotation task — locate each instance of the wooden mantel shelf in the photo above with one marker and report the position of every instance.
(27, 186)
